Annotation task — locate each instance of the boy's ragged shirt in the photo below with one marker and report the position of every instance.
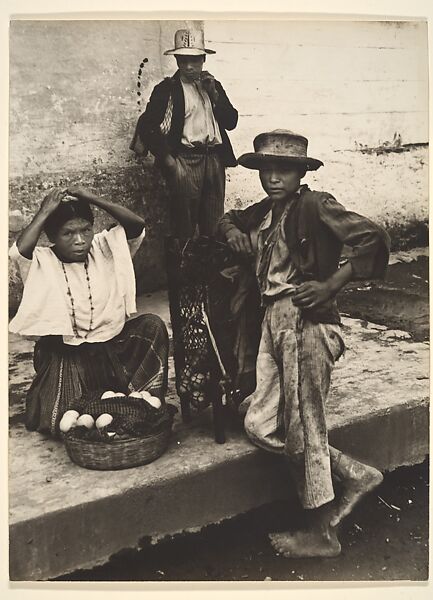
(315, 229)
(275, 270)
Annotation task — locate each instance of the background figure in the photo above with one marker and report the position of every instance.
(184, 126)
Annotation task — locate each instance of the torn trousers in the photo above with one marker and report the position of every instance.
(286, 413)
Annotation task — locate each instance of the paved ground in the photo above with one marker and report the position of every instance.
(377, 389)
(400, 302)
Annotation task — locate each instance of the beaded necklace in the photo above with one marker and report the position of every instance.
(74, 319)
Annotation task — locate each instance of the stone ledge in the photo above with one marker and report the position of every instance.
(63, 517)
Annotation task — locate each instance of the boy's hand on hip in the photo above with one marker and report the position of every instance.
(311, 294)
(239, 242)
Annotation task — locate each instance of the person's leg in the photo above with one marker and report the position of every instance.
(357, 479)
(211, 207)
(263, 419)
(141, 351)
(318, 346)
(319, 540)
(185, 189)
(43, 396)
(62, 377)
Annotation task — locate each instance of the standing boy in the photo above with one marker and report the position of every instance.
(184, 127)
(296, 237)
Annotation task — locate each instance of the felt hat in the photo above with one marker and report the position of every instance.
(282, 146)
(189, 42)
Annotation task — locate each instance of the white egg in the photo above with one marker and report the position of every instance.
(145, 395)
(72, 413)
(108, 394)
(67, 422)
(86, 421)
(103, 420)
(154, 401)
(135, 395)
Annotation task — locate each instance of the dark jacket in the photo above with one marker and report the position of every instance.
(316, 229)
(148, 135)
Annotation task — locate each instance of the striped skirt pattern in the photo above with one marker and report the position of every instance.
(134, 360)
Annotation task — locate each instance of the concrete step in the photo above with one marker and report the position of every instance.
(63, 517)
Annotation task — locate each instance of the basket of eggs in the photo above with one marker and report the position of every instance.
(111, 431)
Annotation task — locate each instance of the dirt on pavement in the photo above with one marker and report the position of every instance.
(384, 539)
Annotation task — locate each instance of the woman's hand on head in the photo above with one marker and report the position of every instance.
(51, 201)
(80, 192)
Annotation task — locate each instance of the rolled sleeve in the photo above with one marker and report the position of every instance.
(135, 243)
(243, 219)
(117, 235)
(369, 242)
(226, 224)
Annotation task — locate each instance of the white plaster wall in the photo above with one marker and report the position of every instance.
(73, 103)
(338, 83)
(73, 90)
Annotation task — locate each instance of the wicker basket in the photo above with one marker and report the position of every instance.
(117, 454)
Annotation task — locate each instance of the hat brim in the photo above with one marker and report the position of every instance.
(189, 52)
(256, 160)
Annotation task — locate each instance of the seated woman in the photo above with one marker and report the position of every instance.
(77, 296)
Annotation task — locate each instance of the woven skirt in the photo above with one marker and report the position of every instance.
(136, 359)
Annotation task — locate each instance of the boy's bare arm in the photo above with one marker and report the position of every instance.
(29, 237)
(132, 223)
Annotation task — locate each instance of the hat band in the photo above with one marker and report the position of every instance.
(289, 149)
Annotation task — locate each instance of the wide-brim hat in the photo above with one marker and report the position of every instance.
(189, 42)
(282, 146)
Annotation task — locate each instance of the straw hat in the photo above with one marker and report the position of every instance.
(189, 42)
(282, 146)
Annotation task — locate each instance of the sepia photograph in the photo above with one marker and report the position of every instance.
(218, 283)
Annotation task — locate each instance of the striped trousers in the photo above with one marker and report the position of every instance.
(197, 188)
(286, 412)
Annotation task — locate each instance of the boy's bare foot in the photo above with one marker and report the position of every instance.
(358, 481)
(303, 544)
